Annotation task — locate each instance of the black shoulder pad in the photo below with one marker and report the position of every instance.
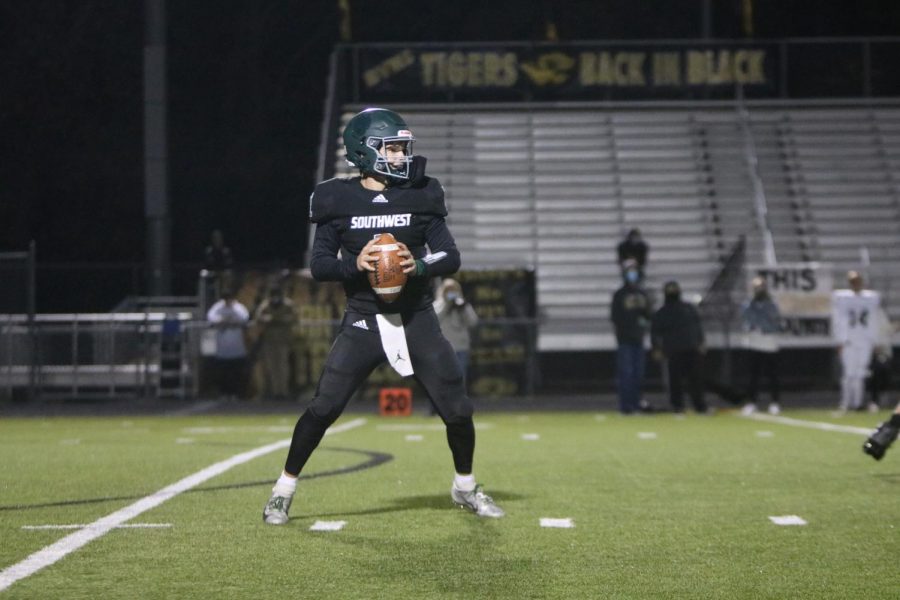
(433, 198)
(322, 201)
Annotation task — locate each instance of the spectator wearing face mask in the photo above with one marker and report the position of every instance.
(762, 322)
(677, 336)
(630, 313)
(457, 318)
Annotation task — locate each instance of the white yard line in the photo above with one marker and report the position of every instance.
(125, 526)
(810, 424)
(54, 552)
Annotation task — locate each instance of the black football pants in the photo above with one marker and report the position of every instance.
(355, 354)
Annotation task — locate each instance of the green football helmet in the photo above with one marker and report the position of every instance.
(367, 132)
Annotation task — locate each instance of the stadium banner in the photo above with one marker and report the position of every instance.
(803, 293)
(503, 343)
(568, 71)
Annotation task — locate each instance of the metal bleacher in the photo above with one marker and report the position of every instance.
(842, 167)
(557, 188)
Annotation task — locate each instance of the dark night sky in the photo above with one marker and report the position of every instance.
(246, 88)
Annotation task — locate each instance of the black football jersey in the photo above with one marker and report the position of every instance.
(347, 216)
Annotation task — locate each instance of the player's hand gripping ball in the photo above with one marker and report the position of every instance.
(388, 278)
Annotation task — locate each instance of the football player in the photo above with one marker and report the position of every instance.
(391, 194)
(883, 437)
(854, 322)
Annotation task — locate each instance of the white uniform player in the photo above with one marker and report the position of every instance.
(854, 322)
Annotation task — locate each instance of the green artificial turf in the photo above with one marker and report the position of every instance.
(684, 514)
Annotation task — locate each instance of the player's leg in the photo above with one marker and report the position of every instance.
(640, 367)
(694, 368)
(883, 437)
(846, 354)
(437, 369)
(860, 357)
(676, 369)
(352, 357)
(754, 359)
(771, 368)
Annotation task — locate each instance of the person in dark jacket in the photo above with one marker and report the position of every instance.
(677, 336)
(633, 247)
(630, 314)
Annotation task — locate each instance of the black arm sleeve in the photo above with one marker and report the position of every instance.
(439, 239)
(324, 263)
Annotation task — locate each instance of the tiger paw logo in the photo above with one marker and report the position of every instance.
(549, 69)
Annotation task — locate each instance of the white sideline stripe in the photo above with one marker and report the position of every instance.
(810, 424)
(82, 526)
(54, 552)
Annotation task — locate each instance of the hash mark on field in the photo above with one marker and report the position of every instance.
(48, 555)
(646, 435)
(327, 525)
(423, 427)
(599, 417)
(184, 440)
(85, 526)
(531, 437)
(566, 523)
(765, 434)
(70, 442)
(788, 520)
(415, 437)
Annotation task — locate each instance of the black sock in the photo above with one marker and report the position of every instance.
(895, 420)
(461, 437)
(307, 434)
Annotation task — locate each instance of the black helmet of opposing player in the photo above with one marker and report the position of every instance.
(365, 139)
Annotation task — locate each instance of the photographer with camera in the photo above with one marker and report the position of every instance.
(457, 318)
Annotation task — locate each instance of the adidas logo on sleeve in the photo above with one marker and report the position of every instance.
(361, 324)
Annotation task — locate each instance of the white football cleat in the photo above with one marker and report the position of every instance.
(276, 510)
(477, 501)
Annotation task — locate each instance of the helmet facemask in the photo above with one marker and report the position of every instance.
(389, 163)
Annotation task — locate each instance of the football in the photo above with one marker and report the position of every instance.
(388, 277)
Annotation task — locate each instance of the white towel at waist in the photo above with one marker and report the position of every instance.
(393, 340)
